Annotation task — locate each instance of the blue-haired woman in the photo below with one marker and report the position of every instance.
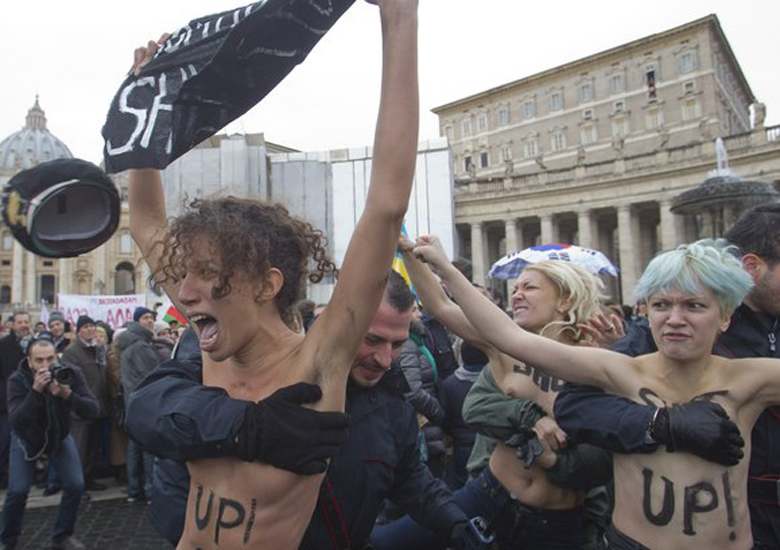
(664, 499)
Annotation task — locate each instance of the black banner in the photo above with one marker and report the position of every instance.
(207, 74)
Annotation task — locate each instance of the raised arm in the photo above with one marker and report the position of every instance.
(573, 363)
(370, 252)
(146, 200)
(435, 300)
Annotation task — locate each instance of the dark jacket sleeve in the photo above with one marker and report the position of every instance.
(590, 415)
(423, 401)
(172, 415)
(637, 341)
(427, 499)
(492, 413)
(82, 401)
(26, 410)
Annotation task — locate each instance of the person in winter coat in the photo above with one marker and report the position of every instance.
(11, 353)
(452, 395)
(57, 329)
(90, 357)
(40, 401)
(163, 343)
(138, 357)
(419, 368)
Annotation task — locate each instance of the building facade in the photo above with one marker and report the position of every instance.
(327, 188)
(593, 152)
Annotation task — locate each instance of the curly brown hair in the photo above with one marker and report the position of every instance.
(247, 236)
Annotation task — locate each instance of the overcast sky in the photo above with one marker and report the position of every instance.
(74, 54)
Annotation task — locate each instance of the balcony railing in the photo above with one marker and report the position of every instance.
(630, 165)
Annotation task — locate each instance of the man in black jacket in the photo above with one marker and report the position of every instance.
(90, 356)
(588, 414)
(11, 354)
(41, 395)
(138, 358)
(175, 416)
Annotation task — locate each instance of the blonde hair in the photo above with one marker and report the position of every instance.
(576, 285)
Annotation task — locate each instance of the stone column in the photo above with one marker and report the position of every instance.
(29, 283)
(100, 271)
(520, 236)
(143, 286)
(548, 229)
(64, 276)
(510, 229)
(671, 228)
(478, 254)
(585, 228)
(628, 248)
(17, 280)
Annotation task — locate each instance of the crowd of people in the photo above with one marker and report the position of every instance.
(392, 419)
(62, 426)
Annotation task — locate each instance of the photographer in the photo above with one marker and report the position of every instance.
(41, 394)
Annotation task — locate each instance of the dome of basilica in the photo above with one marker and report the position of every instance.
(31, 145)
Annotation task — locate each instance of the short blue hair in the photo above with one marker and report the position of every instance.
(708, 263)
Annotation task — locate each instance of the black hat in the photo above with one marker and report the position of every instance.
(61, 208)
(473, 357)
(140, 311)
(84, 320)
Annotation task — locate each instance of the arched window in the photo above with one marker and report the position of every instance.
(124, 279)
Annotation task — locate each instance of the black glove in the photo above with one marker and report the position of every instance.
(527, 444)
(279, 432)
(700, 427)
(456, 535)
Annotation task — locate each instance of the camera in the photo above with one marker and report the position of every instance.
(62, 374)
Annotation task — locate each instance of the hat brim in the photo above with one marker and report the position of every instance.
(62, 208)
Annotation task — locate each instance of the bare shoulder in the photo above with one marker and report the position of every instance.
(755, 379)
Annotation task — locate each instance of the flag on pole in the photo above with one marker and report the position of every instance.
(172, 314)
(400, 267)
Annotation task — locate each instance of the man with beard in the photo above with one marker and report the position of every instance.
(173, 415)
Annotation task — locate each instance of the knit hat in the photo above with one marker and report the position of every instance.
(140, 311)
(160, 326)
(84, 320)
(473, 358)
(56, 316)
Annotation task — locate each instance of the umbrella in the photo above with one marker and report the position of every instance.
(511, 265)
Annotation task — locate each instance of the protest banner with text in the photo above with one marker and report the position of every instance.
(114, 310)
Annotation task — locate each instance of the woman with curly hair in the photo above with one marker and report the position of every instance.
(236, 268)
(664, 499)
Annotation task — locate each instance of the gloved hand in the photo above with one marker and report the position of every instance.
(527, 444)
(700, 427)
(280, 432)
